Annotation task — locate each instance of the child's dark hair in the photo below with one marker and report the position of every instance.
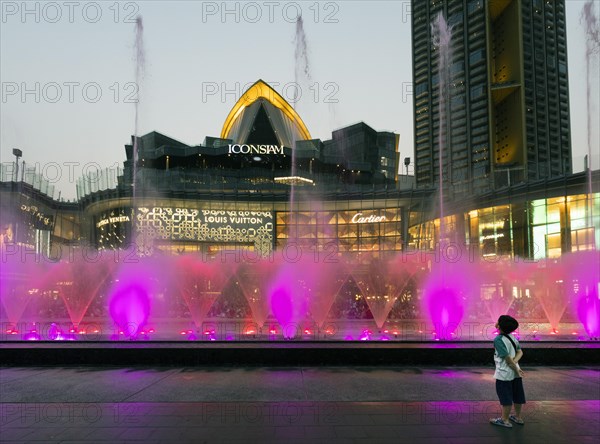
(507, 324)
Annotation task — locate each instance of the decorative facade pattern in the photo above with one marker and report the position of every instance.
(253, 228)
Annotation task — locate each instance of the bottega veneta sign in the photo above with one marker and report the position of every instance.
(255, 149)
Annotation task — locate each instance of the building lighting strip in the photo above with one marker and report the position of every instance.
(294, 179)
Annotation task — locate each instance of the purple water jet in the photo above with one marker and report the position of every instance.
(131, 296)
(303, 292)
(445, 296)
(583, 281)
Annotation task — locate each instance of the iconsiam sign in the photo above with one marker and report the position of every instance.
(237, 295)
(255, 149)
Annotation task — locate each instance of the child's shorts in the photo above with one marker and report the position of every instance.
(510, 392)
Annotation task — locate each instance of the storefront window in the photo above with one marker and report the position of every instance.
(583, 236)
(493, 226)
(349, 231)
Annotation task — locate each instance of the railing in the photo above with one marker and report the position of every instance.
(99, 180)
(27, 175)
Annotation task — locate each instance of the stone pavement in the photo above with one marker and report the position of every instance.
(291, 405)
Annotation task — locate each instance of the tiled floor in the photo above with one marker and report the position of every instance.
(291, 405)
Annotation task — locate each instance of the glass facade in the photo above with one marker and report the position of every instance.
(536, 229)
(507, 95)
(342, 231)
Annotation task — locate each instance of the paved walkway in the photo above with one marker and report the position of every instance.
(291, 405)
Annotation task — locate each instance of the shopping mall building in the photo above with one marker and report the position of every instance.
(265, 183)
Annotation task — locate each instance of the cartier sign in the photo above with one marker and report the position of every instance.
(358, 218)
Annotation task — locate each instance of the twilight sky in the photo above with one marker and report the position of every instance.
(68, 76)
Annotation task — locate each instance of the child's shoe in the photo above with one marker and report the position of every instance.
(500, 422)
(516, 420)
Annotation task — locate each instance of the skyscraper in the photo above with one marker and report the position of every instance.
(507, 98)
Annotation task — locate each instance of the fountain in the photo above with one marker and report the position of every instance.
(446, 289)
(78, 282)
(446, 293)
(133, 296)
(200, 283)
(302, 292)
(583, 286)
(132, 290)
(254, 278)
(20, 281)
(381, 281)
(160, 297)
(494, 281)
(549, 281)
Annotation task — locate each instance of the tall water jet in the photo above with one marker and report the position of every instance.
(445, 291)
(140, 67)
(441, 35)
(302, 65)
(301, 79)
(592, 49)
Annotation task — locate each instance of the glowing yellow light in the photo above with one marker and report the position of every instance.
(262, 90)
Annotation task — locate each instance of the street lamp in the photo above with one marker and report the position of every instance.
(18, 154)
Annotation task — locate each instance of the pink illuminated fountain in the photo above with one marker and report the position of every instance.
(131, 296)
(200, 283)
(20, 282)
(78, 282)
(496, 281)
(291, 297)
(446, 293)
(302, 292)
(550, 290)
(254, 278)
(583, 285)
(326, 279)
(381, 281)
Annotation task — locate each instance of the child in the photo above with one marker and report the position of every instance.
(508, 375)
